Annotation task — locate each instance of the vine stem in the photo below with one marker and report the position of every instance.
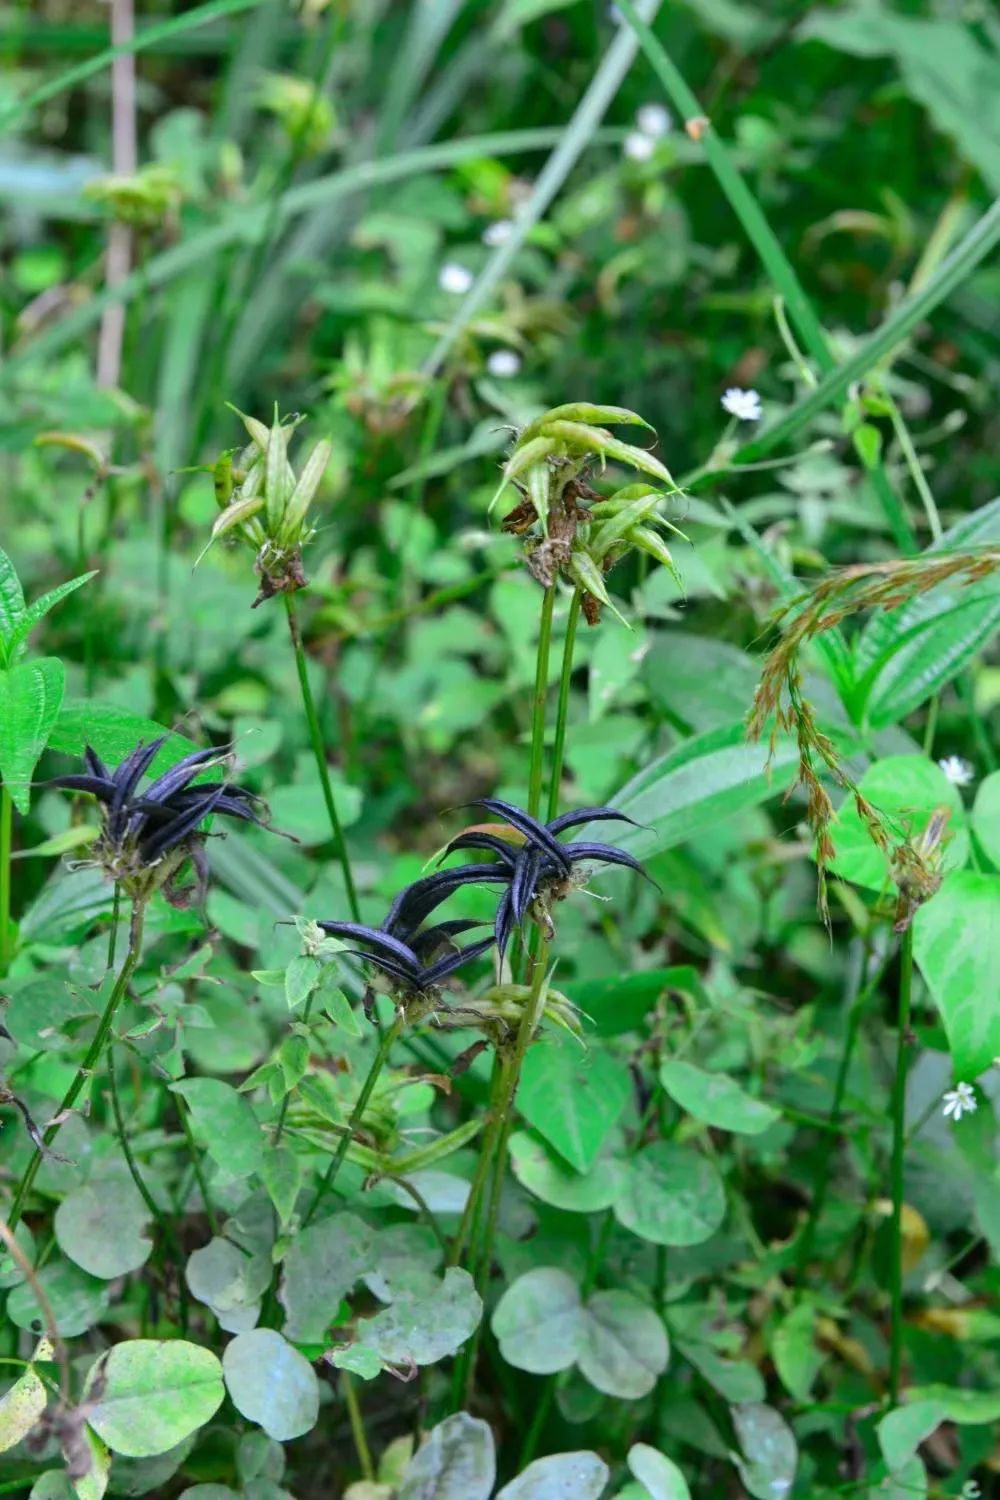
(538, 704)
(6, 829)
(95, 1052)
(898, 1163)
(562, 706)
(357, 1114)
(357, 1422)
(319, 754)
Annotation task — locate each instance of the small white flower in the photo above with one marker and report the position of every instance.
(742, 404)
(959, 1101)
(958, 771)
(638, 147)
(654, 120)
(498, 233)
(455, 279)
(504, 363)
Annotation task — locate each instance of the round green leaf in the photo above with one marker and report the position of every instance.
(905, 790)
(146, 1396)
(77, 1300)
(659, 1475)
(100, 1227)
(625, 1347)
(562, 1476)
(539, 1321)
(715, 1098)
(321, 1268)
(903, 1430)
(424, 1326)
(226, 1124)
(672, 1196)
(457, 1462)
(229, 1281)
(956, 944)
(770, 1453)
(271, 1384)
(546, 1175)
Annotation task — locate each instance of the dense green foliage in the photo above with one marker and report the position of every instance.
(643, 461)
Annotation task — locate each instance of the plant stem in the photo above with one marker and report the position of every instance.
(357, 1114)
(538, 703)
(470, 1214)
(6, 829)
(357, 1422)
(898, 1162)
(196, 1167)
(319, 753)
(916, 469)
(94, 1054)
(562, 707)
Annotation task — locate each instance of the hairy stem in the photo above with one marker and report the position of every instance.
(319, 754)
(357, 1114)
(94, 1054)
(903, 1043)
(6, 822)
(562, 707)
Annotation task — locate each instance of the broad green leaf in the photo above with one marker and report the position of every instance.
(406, 1257)
(423, 1327)
(30, 695)
(113, 733)
(20, 1408)
(956, 945)
(796, 1357)
(704, 781)
(770, 1453)
(77, 1300)
(12, 608)
(986, 817)
(546, 1175)
(625, 1347)
(905, 655)
(561, 1476)
(672, 1195)
(962, 1404)
(736, 1380)
(356, 1359)
(101, 1227)
(146, 1396)
(281, 1174)
(39, 609)
(573, 1098)
(321, 1267)
(901, 1432)
(144, 1476)
(457, 1462)
(715, 1098)
(905, 790)
(271, 1383)
(704, 682)
(661, 1477)
(539, 1321)
(225, 1124)
(301, 978)
(54, 1484)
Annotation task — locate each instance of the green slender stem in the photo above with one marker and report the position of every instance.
(357, 1422)
(357, 1115)
(916, 469)
(903, 1043)
(6, 831)
(562, 707)
(470, 1214)
(94, 1054)
(196, 1167)
(538, 703)
(319, 754)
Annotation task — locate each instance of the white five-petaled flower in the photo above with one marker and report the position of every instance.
(959, 1101)
(455, 278)
(638, 147)
(745, 405)
(498, 233)
(654, 120)
(958, 771)
(504, 363)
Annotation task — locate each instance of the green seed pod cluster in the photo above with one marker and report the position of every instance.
(263, 500)
(147, 200)
(569, 527)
